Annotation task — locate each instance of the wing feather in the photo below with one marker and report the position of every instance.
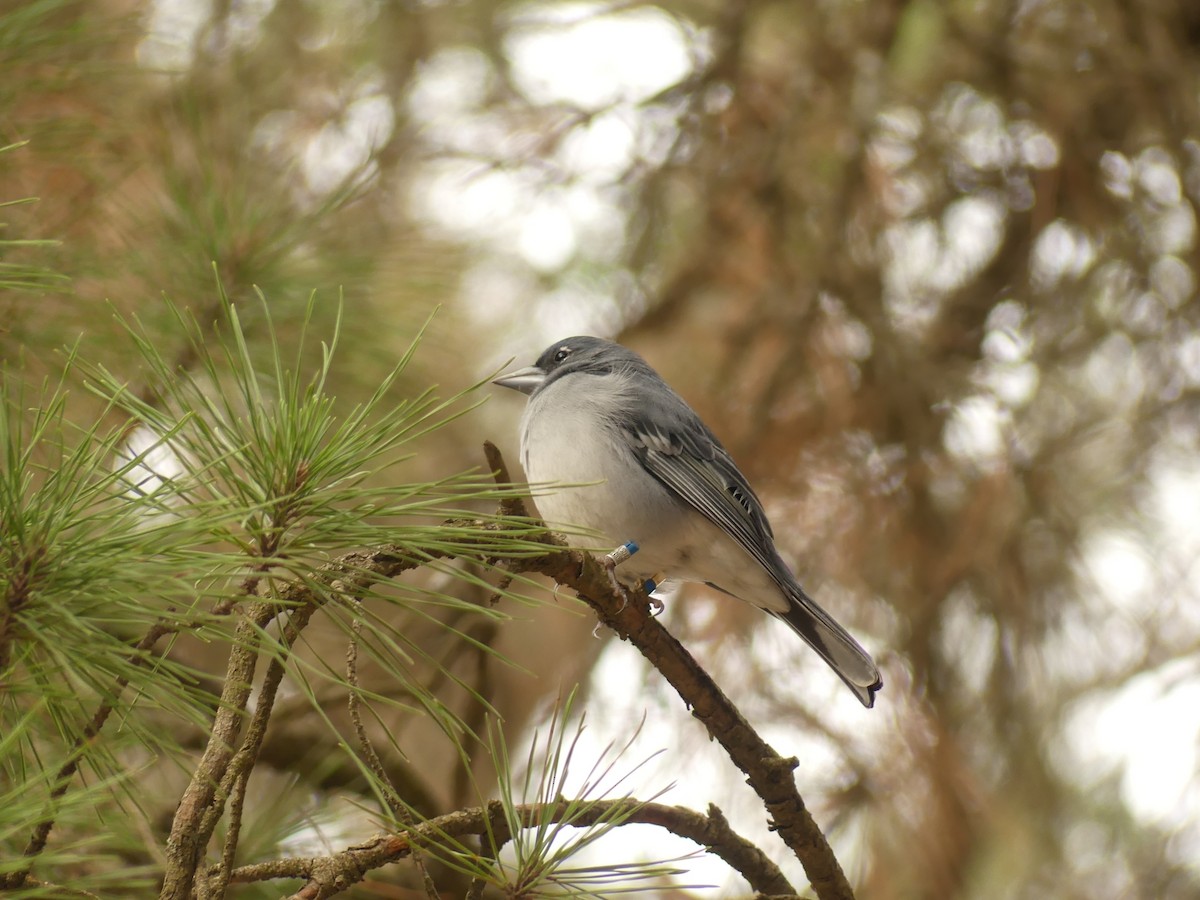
(679, 450)
(704, 476)
(691, 463)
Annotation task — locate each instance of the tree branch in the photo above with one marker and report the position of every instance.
(187, 841)
(237, 775)
(329, 875)
(204, 799)
(769, 774)
(391, 796)
(66, 772)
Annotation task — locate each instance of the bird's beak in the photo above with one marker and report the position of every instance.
(525, 380)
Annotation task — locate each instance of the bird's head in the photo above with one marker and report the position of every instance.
(579, 354)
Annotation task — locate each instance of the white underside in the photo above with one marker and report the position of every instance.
(626, 503)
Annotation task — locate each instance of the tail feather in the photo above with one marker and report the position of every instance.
(834, 645)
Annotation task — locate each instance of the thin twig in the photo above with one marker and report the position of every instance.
(390, 795)
(483, 633)
(139, 656)
(203, 801)
(62, 778)
(236, 776)
(400, 812)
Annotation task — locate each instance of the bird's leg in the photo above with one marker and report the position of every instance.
(614, 559)
(656, 605)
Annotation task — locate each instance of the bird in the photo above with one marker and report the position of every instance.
(649, 478)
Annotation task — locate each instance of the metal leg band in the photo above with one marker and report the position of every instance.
(622, 553)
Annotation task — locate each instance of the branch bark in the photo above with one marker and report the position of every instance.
(222, 762)
(769, 774)
(329, 875)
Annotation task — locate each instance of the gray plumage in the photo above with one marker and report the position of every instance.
(598, 413)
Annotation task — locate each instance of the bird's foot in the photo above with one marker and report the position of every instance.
(656, 606)
(614, 559)
(649, 586)
(611, 560)
(610, 569)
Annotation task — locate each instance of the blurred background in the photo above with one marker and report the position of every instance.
(928, 269)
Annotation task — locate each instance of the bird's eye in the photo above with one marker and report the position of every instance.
(563, 353)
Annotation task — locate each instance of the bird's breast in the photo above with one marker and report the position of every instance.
(571, 439)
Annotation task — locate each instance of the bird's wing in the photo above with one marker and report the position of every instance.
(675, 447)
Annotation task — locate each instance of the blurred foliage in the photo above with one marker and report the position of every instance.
(928, 269)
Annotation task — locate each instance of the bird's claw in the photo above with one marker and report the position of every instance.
(614, 559)
(610, 569)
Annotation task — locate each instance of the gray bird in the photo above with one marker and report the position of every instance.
(666, 494)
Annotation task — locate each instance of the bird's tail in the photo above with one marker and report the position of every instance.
(842, 653)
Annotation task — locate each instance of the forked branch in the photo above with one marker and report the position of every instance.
(769, 774)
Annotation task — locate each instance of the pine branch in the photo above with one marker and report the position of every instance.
(769, 774)
(391, 796)
(65, 774)
(221, 766)
(329, 875)
(187, 840)
(203, 801)
(236, 777)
